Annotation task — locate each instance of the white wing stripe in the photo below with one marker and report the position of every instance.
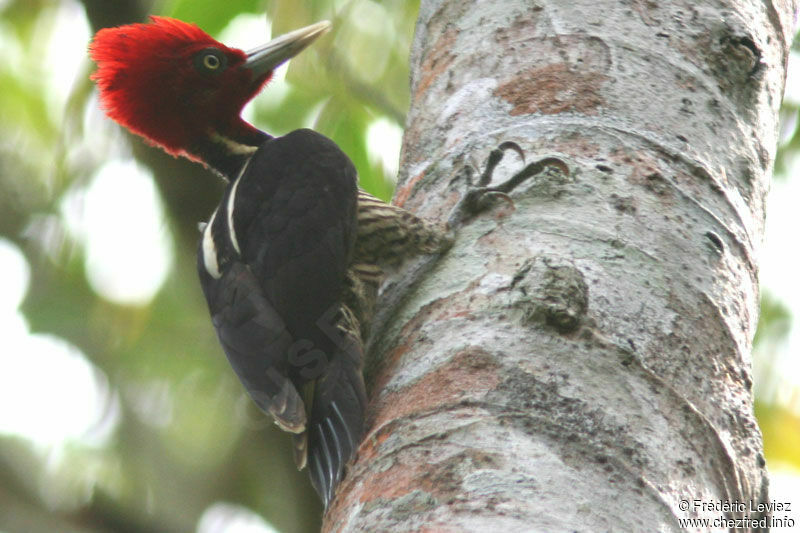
(231, 203)
(210, 250)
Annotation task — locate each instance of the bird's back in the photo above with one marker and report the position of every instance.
(272, 263)
(295, 217)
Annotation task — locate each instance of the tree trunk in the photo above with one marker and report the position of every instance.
(580, 359)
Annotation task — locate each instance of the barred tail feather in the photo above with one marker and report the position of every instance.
(336, 421)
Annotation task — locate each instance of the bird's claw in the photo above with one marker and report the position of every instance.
(468, 205)
(495, 156)
(480, 197)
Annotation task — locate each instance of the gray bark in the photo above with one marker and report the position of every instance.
(580, 360)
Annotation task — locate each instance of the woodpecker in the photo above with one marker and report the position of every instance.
(291, 259)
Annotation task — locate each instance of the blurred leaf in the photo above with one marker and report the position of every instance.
(24, 14)
(774, 321)
(290, 15)
(781, 430)
(290, 114)
(347, 124)
(23, 106)
(211, 15)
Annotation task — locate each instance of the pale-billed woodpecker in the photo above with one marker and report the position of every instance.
(291, 259)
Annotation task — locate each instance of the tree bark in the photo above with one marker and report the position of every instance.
(580, 359)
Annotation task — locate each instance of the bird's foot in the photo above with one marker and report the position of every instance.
(480, 196)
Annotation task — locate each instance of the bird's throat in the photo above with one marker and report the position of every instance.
(227, 152)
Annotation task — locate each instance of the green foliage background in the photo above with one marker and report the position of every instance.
(215, 447)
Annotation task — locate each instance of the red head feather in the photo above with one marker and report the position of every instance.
(151, 81)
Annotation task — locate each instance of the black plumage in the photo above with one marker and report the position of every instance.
(273, 262)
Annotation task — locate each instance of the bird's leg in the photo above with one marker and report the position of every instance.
(388, 235)
(479, 196)
(360, 292)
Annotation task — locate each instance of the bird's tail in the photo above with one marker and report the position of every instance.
(336, 421)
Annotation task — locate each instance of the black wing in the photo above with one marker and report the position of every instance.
(253, 337)
(273, 263)
(295, 219)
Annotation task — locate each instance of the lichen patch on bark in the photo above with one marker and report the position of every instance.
(404, 191)
(469, 374)
(553, 89)
(437, 61)
(551, 293)
(445, 478)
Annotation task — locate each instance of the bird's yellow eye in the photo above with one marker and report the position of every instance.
(210, 61)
